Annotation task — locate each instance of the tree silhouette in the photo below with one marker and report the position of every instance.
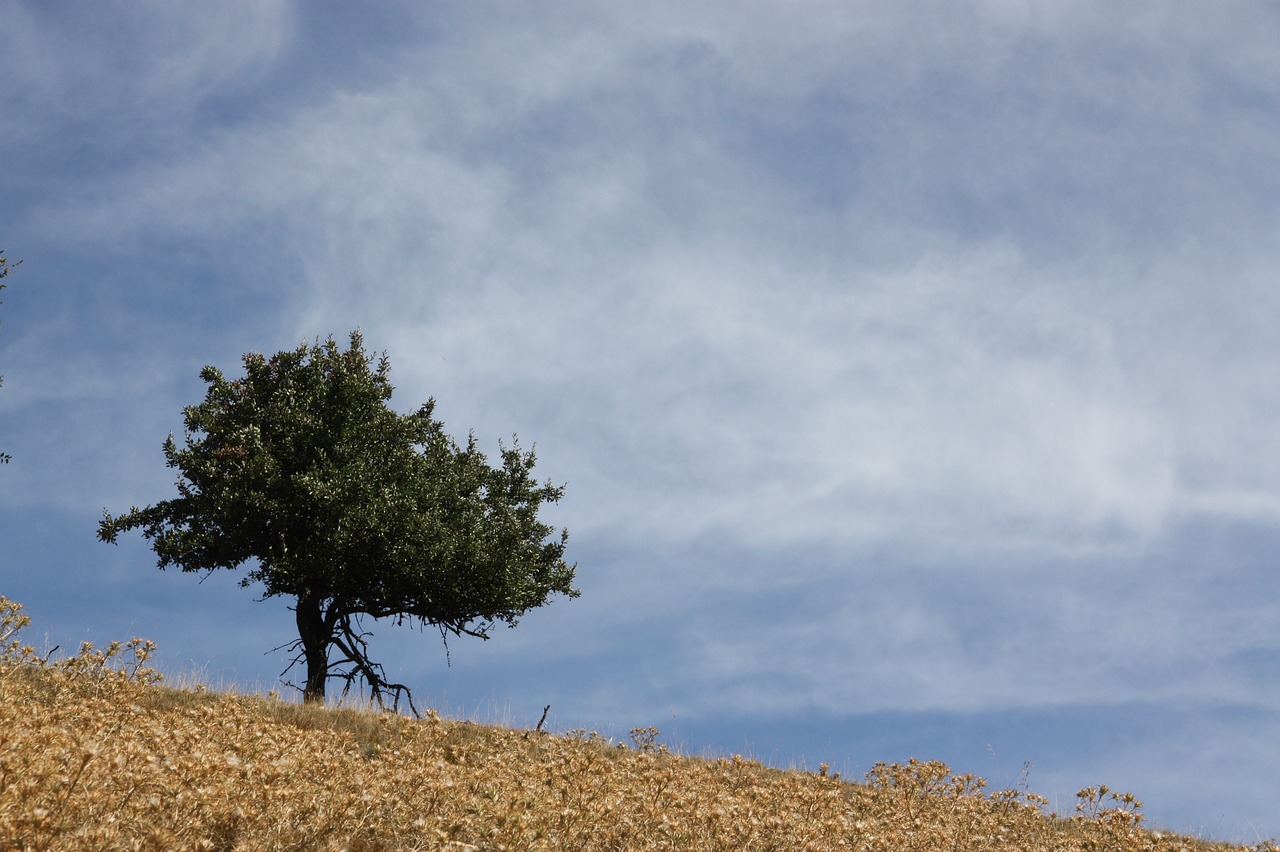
(355, 511)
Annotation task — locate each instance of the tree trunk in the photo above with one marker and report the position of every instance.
(315, 647)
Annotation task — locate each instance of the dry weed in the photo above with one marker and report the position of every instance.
(94, 755)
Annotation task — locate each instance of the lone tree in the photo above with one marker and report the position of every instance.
(351, 509)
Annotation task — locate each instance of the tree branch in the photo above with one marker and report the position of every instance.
(351, 642)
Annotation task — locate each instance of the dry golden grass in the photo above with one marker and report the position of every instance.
(94, 755)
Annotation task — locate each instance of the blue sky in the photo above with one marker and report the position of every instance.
(912, 366)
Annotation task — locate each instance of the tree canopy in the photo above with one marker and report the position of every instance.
(355, 511)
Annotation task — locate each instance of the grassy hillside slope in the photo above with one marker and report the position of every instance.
(95, 755)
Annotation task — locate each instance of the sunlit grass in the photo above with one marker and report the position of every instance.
(94, 754)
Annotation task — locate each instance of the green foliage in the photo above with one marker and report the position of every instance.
(351, 508)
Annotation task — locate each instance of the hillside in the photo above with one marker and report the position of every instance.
(94, 754)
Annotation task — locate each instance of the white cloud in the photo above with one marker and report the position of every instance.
(765, 385)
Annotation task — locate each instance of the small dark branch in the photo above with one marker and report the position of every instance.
(287, 646)
(538, 729)
(446, 628)
(481, 632)
(298, 657)
(444, 638)
(351, 642)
